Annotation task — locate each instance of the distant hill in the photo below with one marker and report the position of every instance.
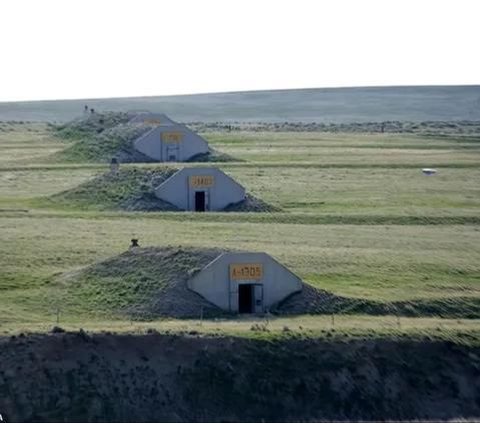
(329, 105)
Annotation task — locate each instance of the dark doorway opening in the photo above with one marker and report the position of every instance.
(245, 298)
(200, 201)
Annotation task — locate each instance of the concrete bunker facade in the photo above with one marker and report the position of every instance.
(169, 141)
(245, 282)
(200, 189)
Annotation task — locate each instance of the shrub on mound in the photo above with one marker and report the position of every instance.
(252, 204)
(90, 125)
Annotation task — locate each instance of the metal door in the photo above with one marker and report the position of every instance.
(172, 152)
(258, 298)
(207, 200)
(200, 205)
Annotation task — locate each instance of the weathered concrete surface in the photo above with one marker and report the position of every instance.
(171, 143)
(216, 284)
(220, 190)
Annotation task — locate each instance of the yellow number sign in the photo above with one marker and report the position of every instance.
(201, 181)
(152, 121)
(246, 271)
(172, 137)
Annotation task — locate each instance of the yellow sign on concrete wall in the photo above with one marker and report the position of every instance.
(246, 271)
(202, 181)
(172, 137)
(152, 121)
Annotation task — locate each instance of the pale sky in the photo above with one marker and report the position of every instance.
(58, 49)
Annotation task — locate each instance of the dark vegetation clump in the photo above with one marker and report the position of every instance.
(213, 155)
(312, 300)
(130, 189)
(460, 127)
(115, 142)
(145, 283)
(252, 204)
(91, 125)
(99, 137)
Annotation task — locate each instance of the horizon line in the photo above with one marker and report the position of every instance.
(243, 92)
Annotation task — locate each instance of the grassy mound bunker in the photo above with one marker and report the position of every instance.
(133, 190)
(148, 283)
(99, 137)
(144, 283)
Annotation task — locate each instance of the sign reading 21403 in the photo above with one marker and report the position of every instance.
(246, 271)
(201, 181)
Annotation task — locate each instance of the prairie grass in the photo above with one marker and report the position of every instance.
(358, 218)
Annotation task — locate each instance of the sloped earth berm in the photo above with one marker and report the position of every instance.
(106, 377)
(90, 124)
(130, 189)
(144, 283)
(312, 300)
(133, 190)
(148, 283)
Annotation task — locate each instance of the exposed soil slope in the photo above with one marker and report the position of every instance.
(80, 377)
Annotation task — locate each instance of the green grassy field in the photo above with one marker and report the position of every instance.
(358, 218)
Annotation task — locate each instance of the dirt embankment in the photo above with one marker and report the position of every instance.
(153, 377)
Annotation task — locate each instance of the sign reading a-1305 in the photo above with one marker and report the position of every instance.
(246, 271)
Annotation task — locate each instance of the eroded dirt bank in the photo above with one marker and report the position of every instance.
(154, 377)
